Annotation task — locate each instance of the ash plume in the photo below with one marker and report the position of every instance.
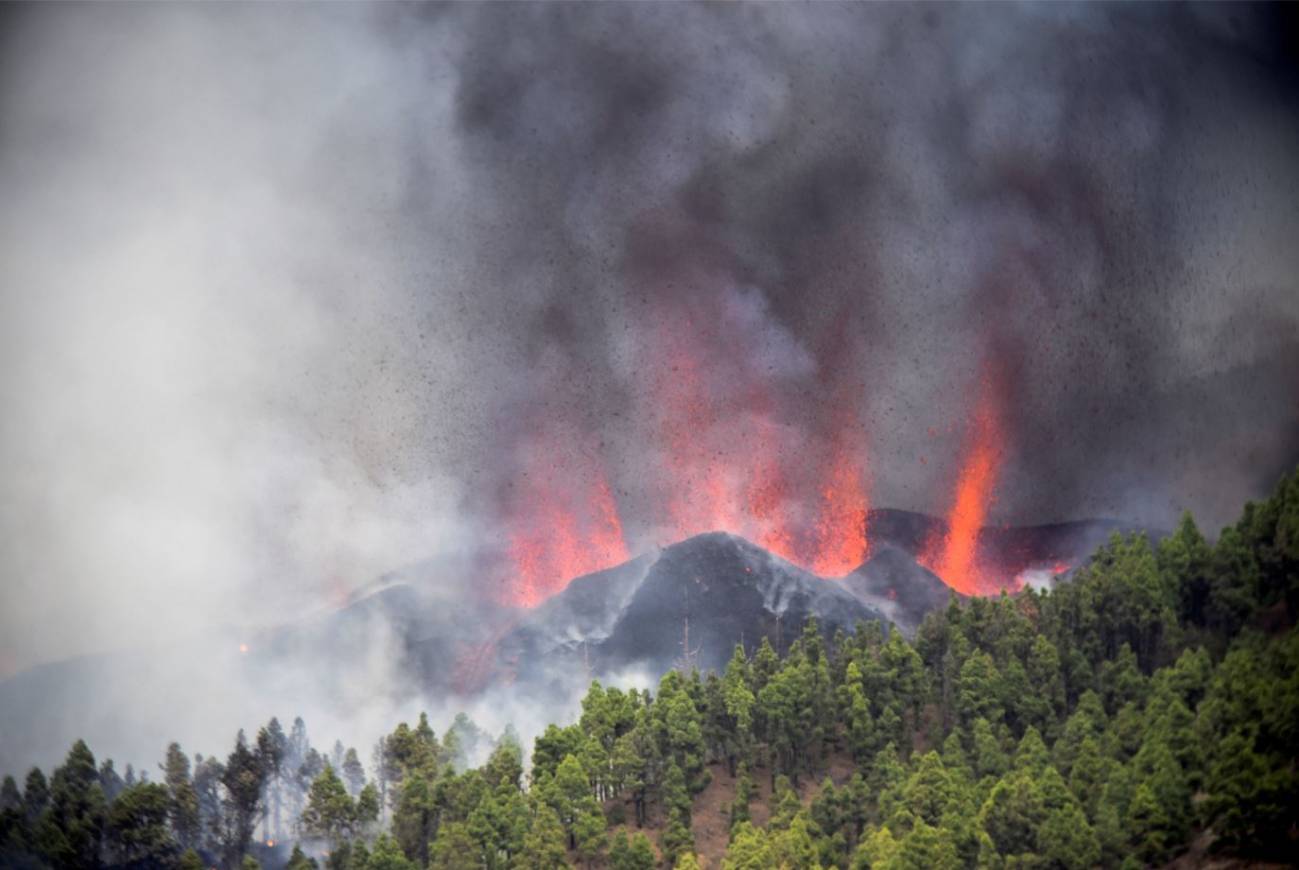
(912, 191)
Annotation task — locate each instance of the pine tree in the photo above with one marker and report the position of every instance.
(930, 790)
(1183, 557)
(543, 847)
(183, 809)
(211, 805)
(13, 821)
(878, 848)
(793, 847)
(636, 853)
(749, 849)
(330, 813)
(272, 749)
(353, 772)
(989, 758)
(137, 827)
(1090, 772)
(677, 837)
(455, 849)
(978, 690)
(640, 855)
(743, 797)
(386, 855)
(925, 848)
(1087, 720)
(739, 701)
(190, 860)
(70, 832)
(1066, 840)
(110, 782)
(1233, 578)
(1012, 813)
(1046, 682)
(861, 727)
(36, 794)
(1160, 813)
(243, 778)
(415, 816)
(505, 765)
(685, 741)
(552, 747)
(568, 793)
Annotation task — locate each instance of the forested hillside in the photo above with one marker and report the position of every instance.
(1145, 713)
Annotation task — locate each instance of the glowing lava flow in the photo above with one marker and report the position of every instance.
(567, 525)
(955, 557)
(840, 543)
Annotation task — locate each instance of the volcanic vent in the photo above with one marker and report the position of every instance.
(735, 426)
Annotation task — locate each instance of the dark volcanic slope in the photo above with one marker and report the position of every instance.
(893, 582)
(589, 606)
(731, 591)
(728, 590)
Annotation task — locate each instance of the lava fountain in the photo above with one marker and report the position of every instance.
(954, 556)
(734, 460)
(565, 520)
(726, 447)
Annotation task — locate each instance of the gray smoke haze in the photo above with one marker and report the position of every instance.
(287, 291)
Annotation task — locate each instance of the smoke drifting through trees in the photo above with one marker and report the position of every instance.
(1010, 731)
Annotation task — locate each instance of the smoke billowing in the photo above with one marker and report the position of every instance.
(292, 296)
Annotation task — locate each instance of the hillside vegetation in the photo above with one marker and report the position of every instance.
(1145, 713)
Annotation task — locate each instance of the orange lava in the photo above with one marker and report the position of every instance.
(698, 497)
(955, 557)
(764, 497)
(731, 453)
(840, 543)
(730, 466)
(565, 523)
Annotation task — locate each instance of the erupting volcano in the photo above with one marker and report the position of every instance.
(725, 451)
(728, 442)
(734, 460)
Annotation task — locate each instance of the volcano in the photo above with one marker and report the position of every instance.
(685, 605)
(689, 604)
(734, 591)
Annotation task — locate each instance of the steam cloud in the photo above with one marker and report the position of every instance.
(288, 293)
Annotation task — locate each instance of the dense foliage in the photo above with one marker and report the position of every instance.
(1146, 709)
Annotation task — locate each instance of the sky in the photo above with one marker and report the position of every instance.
(292, 296)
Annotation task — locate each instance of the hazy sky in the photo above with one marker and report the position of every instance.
(286, 290)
